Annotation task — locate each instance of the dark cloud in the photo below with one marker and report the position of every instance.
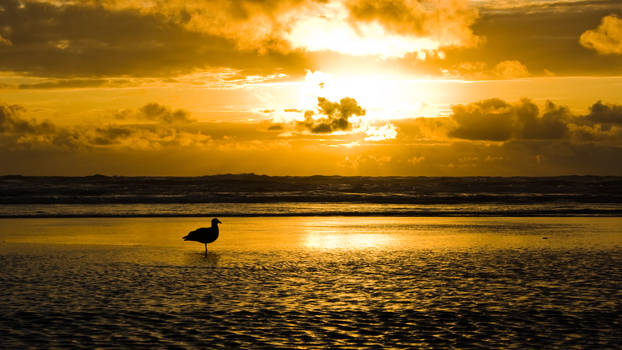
(126, 38)
(275, 127)
(603, 124)
(545, 37)
(83, 40)
(485, 120)
(541, 36)
(456, 158)
(75, 83)
(111, 135)
(157, 112)
(151, 127)
(337, 115)
(173, 128)
(605, 114)
(587, 144)
(445, 21)
(497, 120)
(12, 122)
(65, 84)
(551, 124)
(501, 121)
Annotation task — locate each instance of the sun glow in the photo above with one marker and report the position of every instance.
(384, 96)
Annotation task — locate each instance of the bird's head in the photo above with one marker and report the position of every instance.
(216, 221)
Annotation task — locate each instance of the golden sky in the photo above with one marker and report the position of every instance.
(303, 87)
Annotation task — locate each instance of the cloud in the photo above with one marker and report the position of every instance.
(65, 84)
(152, 127)
(12, 122)
(607, 38)
(268, 24)
(497, 120)
(337, 115)
(445, 21)
(552, 123)
(501, 121)
(511, 69)
(86, 38)
(605, 114)
(603, 124)
(172, 128)
(160, 113)
(541, 35)
(156, 126)
(275, 127)
(387, 131)
(154, 112)
(4, 41)
(535, 140)
(111, 135)
(486, 120)
(80, 38)
(251, 24)
(168, 38)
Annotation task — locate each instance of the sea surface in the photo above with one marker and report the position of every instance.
(311, 262)
(332, 281)
(262, 196)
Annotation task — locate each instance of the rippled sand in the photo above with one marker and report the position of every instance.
(313, 283)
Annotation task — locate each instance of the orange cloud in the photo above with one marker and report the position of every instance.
(607, 38)
(509, 69)
(4, 41)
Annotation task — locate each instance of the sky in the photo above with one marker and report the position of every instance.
(305, 87)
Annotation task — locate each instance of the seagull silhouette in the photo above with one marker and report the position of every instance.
(204, 235)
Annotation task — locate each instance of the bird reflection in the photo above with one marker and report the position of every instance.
(210, 259)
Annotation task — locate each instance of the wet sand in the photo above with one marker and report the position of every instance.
(305, 282)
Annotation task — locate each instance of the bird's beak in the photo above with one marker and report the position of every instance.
(220, 222)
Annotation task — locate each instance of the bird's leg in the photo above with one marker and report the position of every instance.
(206, 250)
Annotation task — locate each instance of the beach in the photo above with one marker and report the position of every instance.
(312, 282)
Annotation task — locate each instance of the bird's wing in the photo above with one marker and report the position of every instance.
(190, 236)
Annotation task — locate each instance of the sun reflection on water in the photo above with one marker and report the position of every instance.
(337, 240)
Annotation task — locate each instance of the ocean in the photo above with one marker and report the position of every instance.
(311, 263)
(261, 196)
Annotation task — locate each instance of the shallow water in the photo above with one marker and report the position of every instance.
(312, 282)
(306, 209)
